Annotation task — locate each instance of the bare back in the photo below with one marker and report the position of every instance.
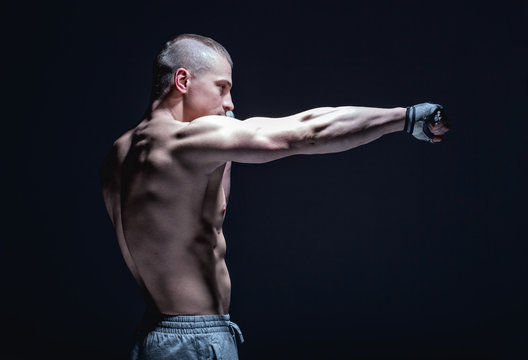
(168, 216)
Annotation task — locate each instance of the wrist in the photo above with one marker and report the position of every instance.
(399, 119)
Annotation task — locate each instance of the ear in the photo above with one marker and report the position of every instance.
(181, 80)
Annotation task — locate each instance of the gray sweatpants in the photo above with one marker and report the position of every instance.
(186, 337)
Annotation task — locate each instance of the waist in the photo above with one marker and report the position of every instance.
(188, 324)
(185, 324)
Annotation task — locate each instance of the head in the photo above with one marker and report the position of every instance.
(196, 72)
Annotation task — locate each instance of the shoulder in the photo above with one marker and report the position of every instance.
(166, 144)
(208, 132)
(209, 124)
(167, 132)
(204, 143)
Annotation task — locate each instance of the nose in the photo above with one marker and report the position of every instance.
(228, 103)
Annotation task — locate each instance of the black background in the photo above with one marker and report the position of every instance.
(397, 249)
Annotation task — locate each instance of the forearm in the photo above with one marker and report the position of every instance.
(338, 129)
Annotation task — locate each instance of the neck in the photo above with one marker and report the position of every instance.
(170, 105)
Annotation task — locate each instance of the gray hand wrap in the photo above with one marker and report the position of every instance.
(418, 117)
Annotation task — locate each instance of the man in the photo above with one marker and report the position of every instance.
(166, 185)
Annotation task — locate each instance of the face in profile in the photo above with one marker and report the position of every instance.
(210, 92)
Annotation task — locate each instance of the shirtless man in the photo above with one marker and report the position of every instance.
(166, 183)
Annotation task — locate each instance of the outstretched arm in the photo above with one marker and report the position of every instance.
(316, 131)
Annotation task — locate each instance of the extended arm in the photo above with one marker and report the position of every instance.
(316, 131)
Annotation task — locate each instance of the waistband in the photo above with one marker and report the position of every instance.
(190, 324)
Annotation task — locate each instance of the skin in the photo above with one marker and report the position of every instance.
(166, 181)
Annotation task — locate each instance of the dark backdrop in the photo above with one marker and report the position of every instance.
(397, 249)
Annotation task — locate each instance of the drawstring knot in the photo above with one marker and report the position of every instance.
(236, 330)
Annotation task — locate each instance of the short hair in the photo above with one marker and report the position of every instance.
(189, 51)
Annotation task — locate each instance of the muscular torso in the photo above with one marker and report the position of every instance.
(168, 215)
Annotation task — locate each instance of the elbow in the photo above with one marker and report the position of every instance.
(318, 127)
(313, 136)
(312, 139)
(307, 142)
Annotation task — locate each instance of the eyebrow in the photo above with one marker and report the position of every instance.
(225, 81)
